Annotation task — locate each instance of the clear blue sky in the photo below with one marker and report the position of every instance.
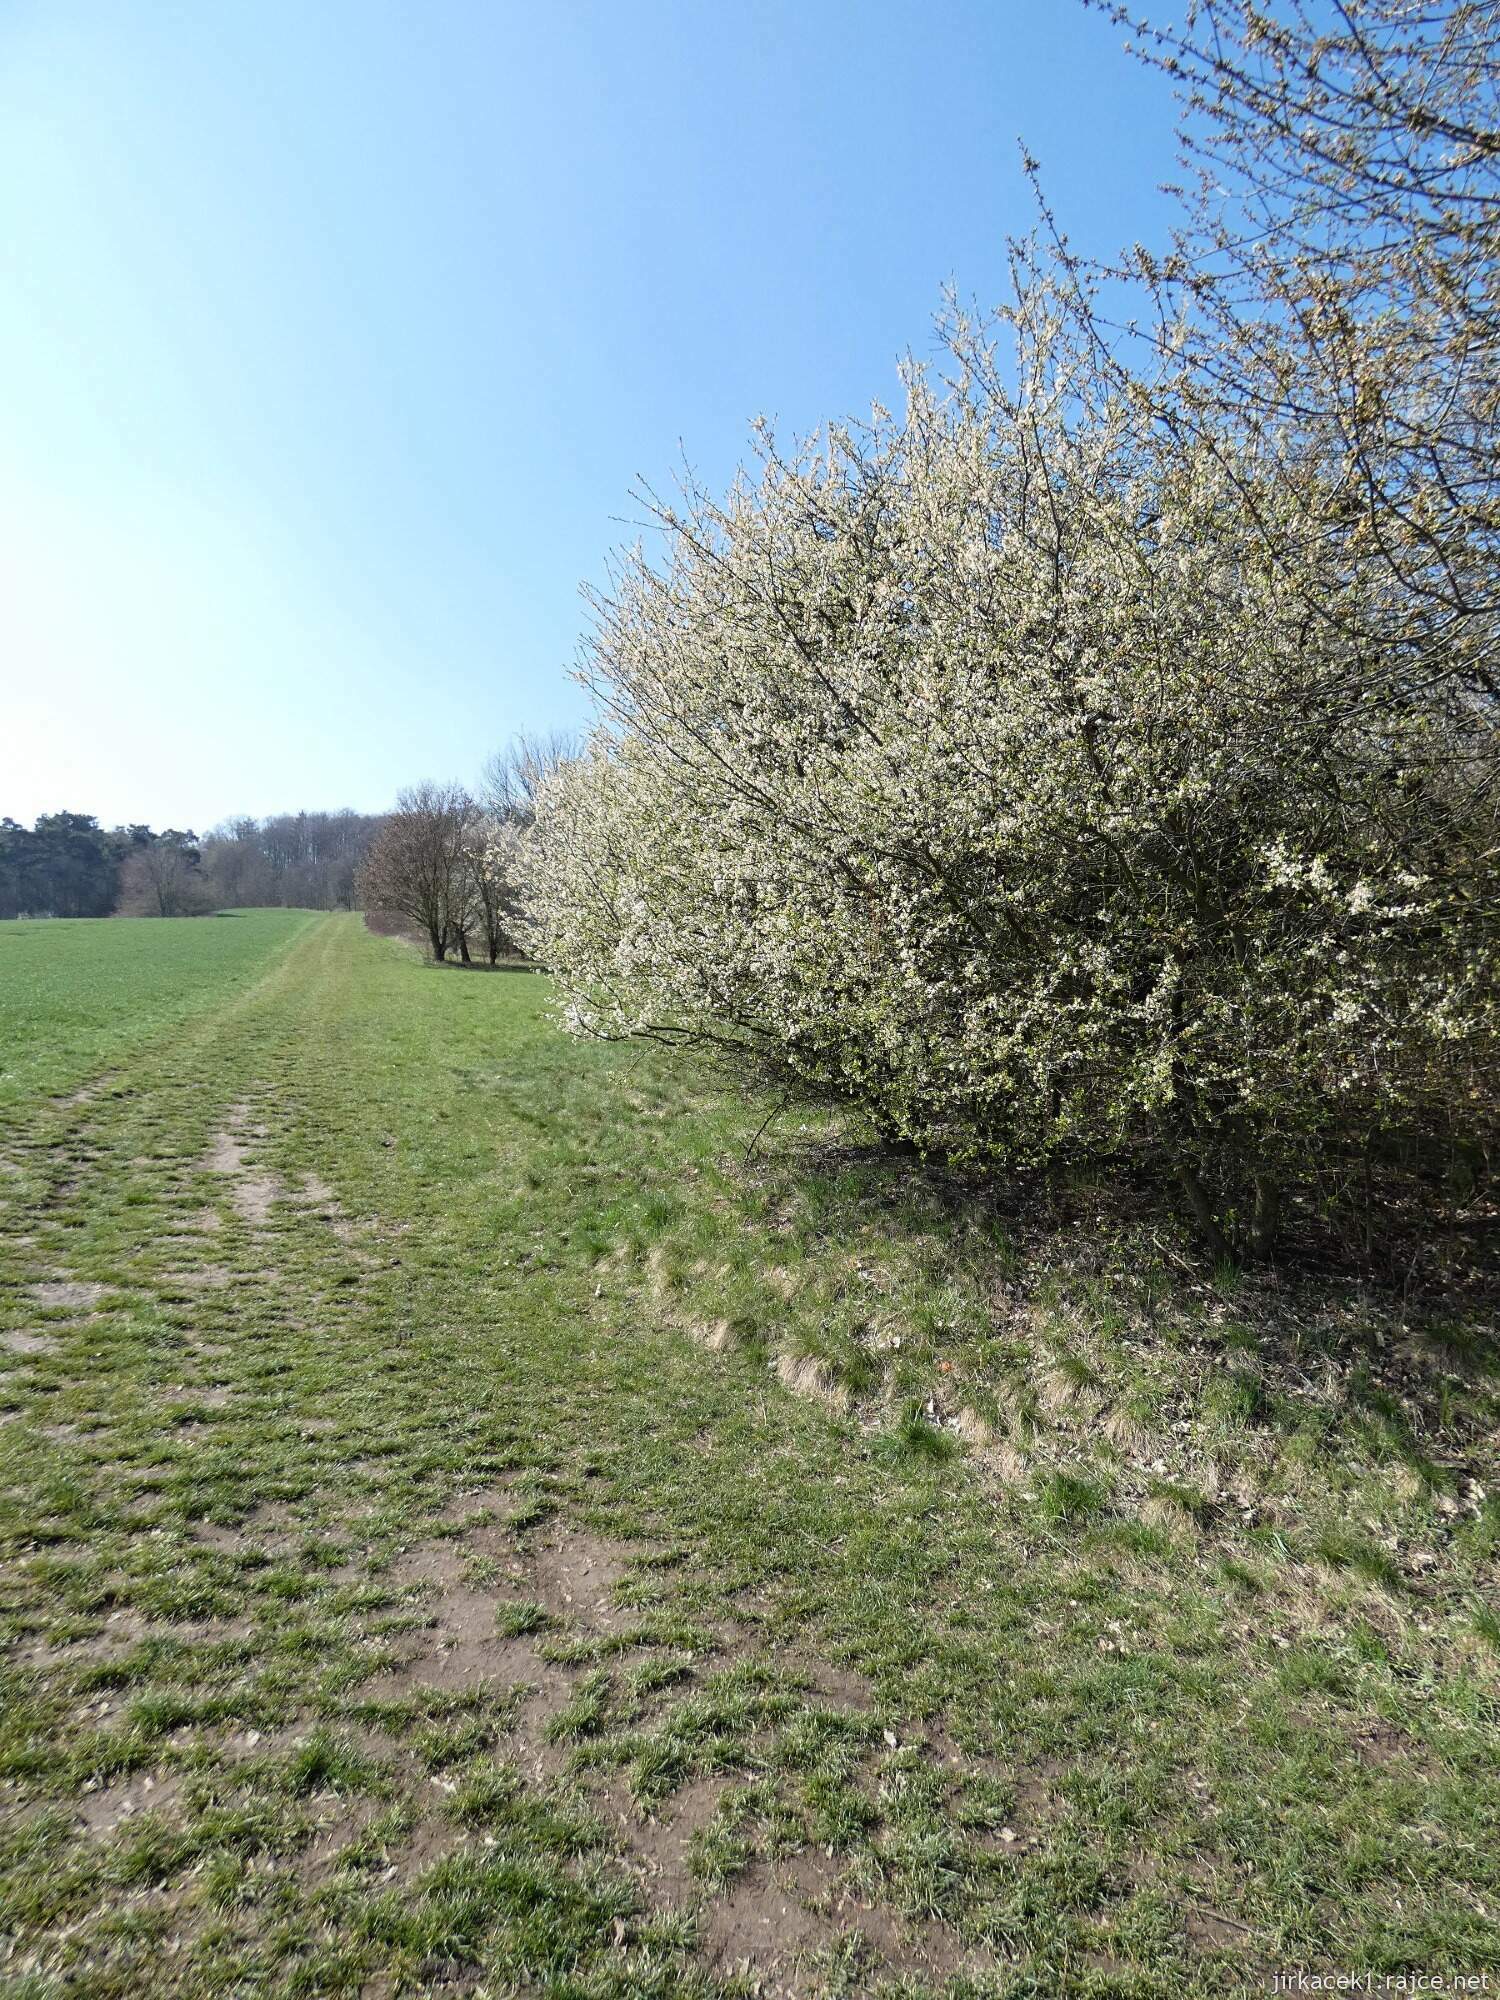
(334, 334)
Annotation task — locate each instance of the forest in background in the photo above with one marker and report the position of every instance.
(68, 865)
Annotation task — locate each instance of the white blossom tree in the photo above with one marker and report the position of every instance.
(1097, 761)
(979, 768)
(1334, 279)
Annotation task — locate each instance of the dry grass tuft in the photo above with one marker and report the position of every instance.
(810, 1375)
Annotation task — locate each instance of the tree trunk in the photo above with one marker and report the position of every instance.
(439, 944)
(1267, 1216)
(1203, 1214)
(463, 947)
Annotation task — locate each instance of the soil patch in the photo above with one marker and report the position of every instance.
(774, 1918)
(68, 1292)
(89, 1091)
(27, 1343)
(107, 1808)
(253, 1197)
(226, 1154)
(253, 1193)
(577, 1575)
(461, 1648)
(661, 1846)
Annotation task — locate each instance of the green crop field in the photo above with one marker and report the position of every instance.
(476, 1520)
(75, 993)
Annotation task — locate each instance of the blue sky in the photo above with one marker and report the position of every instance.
(334, 336)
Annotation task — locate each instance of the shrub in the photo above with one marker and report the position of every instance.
(993, 767)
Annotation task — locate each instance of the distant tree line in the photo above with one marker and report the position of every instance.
(163, 876)
(302, 860)
(68, 865)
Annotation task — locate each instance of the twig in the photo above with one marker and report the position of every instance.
(775, 1112)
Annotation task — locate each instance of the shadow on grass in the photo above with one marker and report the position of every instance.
(1101, 1283)
(479, 965)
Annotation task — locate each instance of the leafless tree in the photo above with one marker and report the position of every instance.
(414, 868)
(513, 776)
(160, 877)
(303, 860)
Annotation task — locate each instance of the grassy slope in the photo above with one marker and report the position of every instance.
(1179, 1671)
(75, 996)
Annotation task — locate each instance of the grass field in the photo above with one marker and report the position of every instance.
(475, 1523)
(73, 997)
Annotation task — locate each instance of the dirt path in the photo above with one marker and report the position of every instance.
(323, 1666)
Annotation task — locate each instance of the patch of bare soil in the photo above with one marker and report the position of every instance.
(204, 1277)
(573, 1576)
(253, 1197)
(535, 1754)
(762, 1929)
(124, 1632)
(213, 1535)
(252, 1193)
(68, 1292)
(226, 1151)
(106, 1808)
(427, 1844)
(266, 1529)
(577, 1575)
(89, 1091)
(1383, 1743)
(211, 1396)
(840, 1685)
(480, 1516)
(777, 1917)
(202, 1631)
(1211, 1930)
(341, 1822)
(461, 1648)
(259, 1746)
(661, 1847)
(21, 1342)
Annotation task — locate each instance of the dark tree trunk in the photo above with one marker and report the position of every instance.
(1267, 1217)
(1203, 1214)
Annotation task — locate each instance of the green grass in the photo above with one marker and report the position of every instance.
(77, 993)
(526, 1546)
